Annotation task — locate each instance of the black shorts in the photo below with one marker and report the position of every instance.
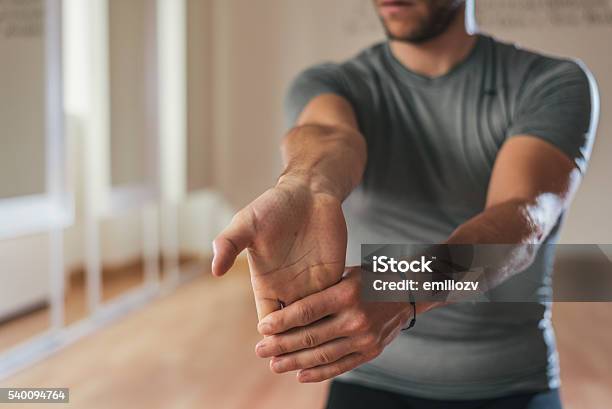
(343, 395)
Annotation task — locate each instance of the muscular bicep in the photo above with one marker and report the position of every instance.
(327, 120)
(328, 110)
(532, 171)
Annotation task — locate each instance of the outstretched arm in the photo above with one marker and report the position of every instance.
(295, 232)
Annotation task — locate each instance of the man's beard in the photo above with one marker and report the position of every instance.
(436, 24)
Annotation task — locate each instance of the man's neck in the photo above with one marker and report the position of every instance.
(439, 55)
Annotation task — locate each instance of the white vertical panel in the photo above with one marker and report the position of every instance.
(86, 43)
(172, 110)
(97, 121)
(56, 149)
(172, 55)
(57, 278)
(56, 157)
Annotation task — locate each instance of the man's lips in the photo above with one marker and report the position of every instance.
(397, 3)
(392, 6)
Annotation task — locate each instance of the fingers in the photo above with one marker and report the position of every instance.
(309, 358)
(309, 309)
(327, 371)
(231, 241)
(299, 338)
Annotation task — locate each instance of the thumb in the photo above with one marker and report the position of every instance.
(230, 242)
(266, 306)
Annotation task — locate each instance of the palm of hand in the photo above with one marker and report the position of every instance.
(299, 245)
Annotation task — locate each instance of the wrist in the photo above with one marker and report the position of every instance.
(315, 183)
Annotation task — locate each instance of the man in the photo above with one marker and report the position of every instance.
(435, 136)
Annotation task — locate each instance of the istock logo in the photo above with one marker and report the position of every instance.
(384, 264)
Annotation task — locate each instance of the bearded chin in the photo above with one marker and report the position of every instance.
(428, 29)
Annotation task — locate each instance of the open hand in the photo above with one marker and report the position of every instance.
(296, 241)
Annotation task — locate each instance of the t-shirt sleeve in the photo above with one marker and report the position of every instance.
(321, 79)
(557, 105)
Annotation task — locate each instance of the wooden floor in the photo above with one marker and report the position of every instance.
(194, 349)
(116, 281)
(584, 339)
(36, 322)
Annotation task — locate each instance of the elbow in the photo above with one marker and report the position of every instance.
(540, 215)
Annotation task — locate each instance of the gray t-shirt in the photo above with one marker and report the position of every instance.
(431, 144)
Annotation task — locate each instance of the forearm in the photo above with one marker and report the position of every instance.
(511, 222)
(504, 238)
(330, 159)
(509, 233)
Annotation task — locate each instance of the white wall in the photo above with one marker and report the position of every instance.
(200, 141)
(128, 61)
(22, 109)
(23, 262)
(24, 273)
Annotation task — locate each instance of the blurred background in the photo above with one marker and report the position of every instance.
(131, 132)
